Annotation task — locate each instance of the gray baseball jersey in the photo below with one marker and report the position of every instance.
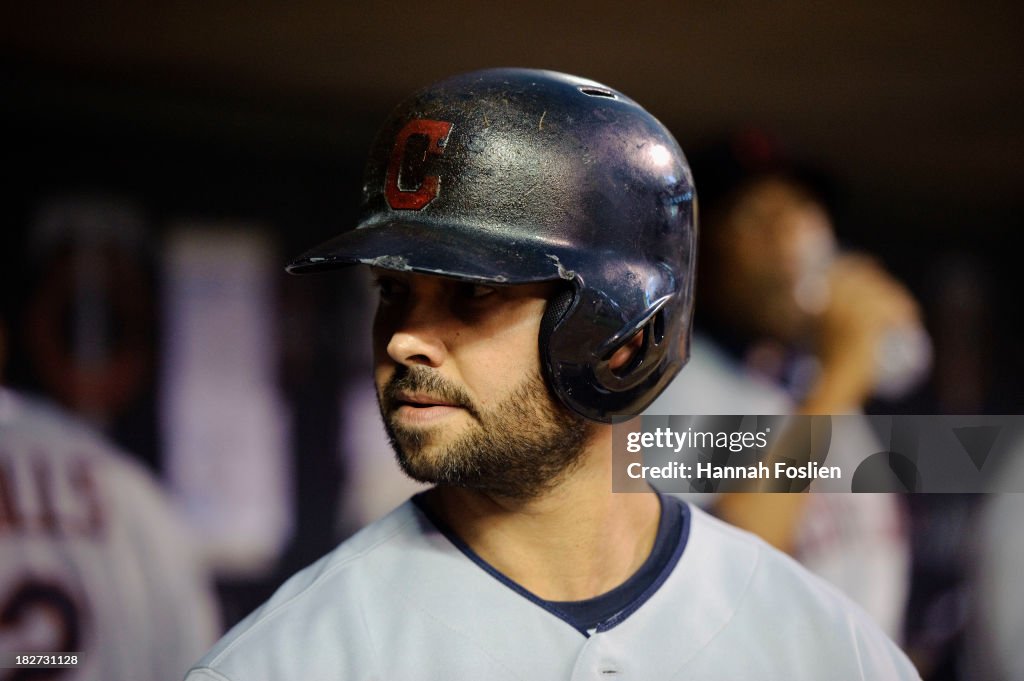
(92, 559)
(403, 599)
(855, 541)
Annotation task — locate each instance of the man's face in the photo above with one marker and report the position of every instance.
(458, 377)
(776, 249)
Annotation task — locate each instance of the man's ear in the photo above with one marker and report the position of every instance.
(625, 353)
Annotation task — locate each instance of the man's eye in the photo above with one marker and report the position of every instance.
(388, 289)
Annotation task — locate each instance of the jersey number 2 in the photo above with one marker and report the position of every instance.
(33, 597)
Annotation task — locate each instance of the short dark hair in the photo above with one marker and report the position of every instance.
(723, 170)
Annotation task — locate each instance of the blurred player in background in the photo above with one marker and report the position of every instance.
(785, 324)
(92, 558)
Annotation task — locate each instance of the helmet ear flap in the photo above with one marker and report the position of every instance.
(570, 382)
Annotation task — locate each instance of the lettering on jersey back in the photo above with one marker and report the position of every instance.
(39, 495)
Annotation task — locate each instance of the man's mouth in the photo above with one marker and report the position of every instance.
(416, 395)
(421, 400)
(422, 408)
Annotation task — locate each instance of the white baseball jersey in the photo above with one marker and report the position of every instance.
(91, 559)
(403, 600)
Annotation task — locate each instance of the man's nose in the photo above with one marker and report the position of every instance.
(417, 333)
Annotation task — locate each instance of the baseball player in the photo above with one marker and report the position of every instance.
(532, 237)
(93, 562)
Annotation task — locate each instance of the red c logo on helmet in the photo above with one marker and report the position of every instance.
(436, 133)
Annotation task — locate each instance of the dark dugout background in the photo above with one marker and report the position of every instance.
(228, 111)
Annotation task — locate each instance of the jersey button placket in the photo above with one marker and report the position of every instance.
(597, 663)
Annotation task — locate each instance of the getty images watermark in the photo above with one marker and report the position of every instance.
(817, 453)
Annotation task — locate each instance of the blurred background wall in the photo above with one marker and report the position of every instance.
(162, 161)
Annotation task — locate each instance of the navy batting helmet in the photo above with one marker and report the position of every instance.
(510, 176)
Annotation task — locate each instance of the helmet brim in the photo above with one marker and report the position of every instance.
(446, 251)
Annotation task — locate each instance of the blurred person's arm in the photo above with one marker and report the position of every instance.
(865, 303)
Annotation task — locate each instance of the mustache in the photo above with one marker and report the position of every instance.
(423, 380)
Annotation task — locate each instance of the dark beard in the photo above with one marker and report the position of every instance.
(520, 449)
